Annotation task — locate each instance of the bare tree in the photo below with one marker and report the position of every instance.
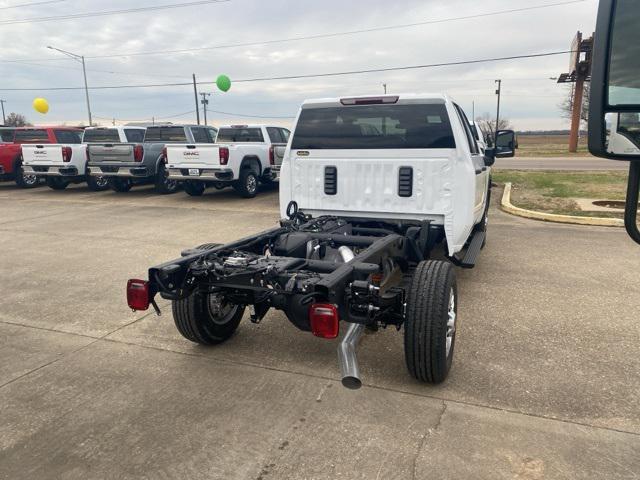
(17, 120)
(566, 106)
(487, 125)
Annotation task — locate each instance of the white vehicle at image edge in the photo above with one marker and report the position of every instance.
(406, 158)
(65, 163)
(242, 156)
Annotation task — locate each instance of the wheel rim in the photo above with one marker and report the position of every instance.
(169, 184)
(252, 183)
(451, 321)
(29, 179)
(102, 182)
(221, 311)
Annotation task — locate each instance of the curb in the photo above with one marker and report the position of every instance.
(508, 207)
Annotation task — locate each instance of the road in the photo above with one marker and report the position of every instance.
(545, 382)
(560, 163)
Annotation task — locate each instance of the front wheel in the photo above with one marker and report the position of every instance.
(57, 183)
(430, 322)
(206, 318)
(25, 180)
(119, 184)
(164, 184)
(194, 189)
(247, 184)
(97, 184)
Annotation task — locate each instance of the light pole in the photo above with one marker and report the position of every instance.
(80, 59)
(205, 102)
(498, 92)
(4, 120)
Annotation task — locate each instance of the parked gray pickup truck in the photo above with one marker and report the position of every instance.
(128, 164)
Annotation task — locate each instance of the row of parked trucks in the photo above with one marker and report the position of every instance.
(169, 156)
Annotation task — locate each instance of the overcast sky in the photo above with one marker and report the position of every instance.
(530, 100)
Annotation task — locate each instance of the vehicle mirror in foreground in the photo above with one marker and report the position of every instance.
(614, 108)
(505, 144)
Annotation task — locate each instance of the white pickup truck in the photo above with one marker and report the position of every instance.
(66, 162)
(242, 156)
(381, 197)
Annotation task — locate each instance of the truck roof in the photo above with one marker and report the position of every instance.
(57, 127)
(401, 98)
(250, 125)
(117, 127)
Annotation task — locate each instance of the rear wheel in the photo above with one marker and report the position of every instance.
(430, 323)
(24, 180)
(206, 319)
(97, 184)
(247, 184)
(164, 184)
(57, 183)
(119, 184)
(195, 189)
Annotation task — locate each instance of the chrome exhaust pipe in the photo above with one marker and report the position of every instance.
(347, 356)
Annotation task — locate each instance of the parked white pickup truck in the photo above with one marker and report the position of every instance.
(242, 156)
(66, 162)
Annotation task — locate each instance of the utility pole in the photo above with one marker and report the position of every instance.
(498, 92)
(80, 59)
(205, 102)
(384, 85)
(195, 94)
(4, 119)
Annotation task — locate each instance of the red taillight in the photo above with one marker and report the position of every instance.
(272, 155)
(138, 153)
(223, 153)
(66, 154)
(324, 320)
(138, 294)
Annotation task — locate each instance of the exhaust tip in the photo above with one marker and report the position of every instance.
(352, 383)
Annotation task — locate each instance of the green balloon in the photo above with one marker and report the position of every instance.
(224, 83)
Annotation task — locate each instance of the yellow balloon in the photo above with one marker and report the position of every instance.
(41, 105)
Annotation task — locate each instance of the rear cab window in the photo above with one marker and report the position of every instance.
(67, 137)
(101, 135)
(165, 135)
(6, 135)
(240, 135)
(35, 135)
(203, 135)
(395, 126)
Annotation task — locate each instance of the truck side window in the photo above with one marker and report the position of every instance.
(275, 135)
(134, 135)
(200, 135)
(212, 133)
(285, 134)
(473, 146)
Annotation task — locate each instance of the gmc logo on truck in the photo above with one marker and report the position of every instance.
(191, 154)
(38, 152)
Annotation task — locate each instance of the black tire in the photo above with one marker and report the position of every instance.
(23, 180)
(120, 184)
(194, 189)
(97, 184)
(197, 320)
(426, 326)
(164, 185)
(57, 183)
(247, 184)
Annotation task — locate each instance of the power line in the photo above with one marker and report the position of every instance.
(293, 77)
(32, 4)
(322, 35)
(108, 12)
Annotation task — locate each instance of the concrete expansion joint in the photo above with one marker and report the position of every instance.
(508, 207)
(427, 434)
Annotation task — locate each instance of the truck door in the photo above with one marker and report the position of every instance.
(482, 172)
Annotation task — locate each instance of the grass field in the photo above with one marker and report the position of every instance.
(549, 146)
(553, 191)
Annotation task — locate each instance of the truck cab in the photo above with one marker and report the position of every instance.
(404, 158)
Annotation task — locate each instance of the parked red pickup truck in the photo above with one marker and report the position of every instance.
(11, 153)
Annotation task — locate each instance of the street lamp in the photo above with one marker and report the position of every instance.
(80, 59)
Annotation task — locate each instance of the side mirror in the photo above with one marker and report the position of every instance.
(505, 144)
(614, 108)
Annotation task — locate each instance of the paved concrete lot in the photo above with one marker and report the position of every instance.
(545, 382)
(560, 163)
